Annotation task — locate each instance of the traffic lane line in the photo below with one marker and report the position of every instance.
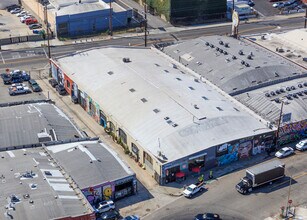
(287, 181)
(2, 58)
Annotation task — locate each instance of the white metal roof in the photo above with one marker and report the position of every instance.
(204, 117)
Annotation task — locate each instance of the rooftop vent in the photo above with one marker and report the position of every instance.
(166, 71)
(178, 79)
(217, 48)
(225, 52)
(267, 94)
(300, 85)
(226, 44)
(110, 73)
(219, 108)
(205, 98)
(249, 57)
(132, 90)
(247, 64)
(196, 80)
(157, 64)
(190, 87)
(305, 83)
(277, 100)
(221, 51)
(169, 122)
(166, 118)
(293, 88)
(242, 62)
(212, 46)
(295, 95)
(207, 43)
(196, 107)
(144, 100)
(272, 93)
(277, 91)
(276, 74)
(234, 57)
(282, 90)
(288, 88)
(300, 93)
(221, 42)
(174, 125)
(156, 110)
(241, 52)
(236, 109)
(126, 60)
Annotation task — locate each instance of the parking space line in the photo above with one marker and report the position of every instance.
(45, 52)
(2, 58)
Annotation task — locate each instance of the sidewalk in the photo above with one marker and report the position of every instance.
(300, 213)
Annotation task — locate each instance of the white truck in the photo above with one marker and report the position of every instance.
(193, 189)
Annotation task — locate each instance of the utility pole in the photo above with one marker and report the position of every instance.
(110, 20)
(233, 5)
(305, 17)
(145, 11)
(47, 26)
(279, 122)
(288, 201)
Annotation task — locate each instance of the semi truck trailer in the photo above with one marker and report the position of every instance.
(261, 174)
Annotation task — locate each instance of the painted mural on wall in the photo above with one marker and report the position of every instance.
(292, 132)
(99, 193)
(93, 109)
(233, 152)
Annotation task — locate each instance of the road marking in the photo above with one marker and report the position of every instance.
(2, 58)
(16, 55)
(45, 52)
(257, 28)
(294, 177)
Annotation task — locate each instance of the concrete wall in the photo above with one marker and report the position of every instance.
(5, 3)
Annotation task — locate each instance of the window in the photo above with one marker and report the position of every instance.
(68, 84)
(122, 136)
(148, 157)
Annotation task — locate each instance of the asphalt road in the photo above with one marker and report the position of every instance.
(10, 58)
(222, 198)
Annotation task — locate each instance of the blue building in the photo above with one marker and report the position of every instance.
(83, 17)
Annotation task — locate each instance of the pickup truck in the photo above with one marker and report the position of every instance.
(193, 189)
(17, 90)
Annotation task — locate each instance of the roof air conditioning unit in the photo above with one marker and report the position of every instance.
(44, 137)
(126, 60)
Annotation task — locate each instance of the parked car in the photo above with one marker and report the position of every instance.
(61, 89)
(16, 11)
(31, 21)
(302, 145)
(53, 82)
(275, 5)
(105, 206)
(207, 216)
(21, 14)
(12, 7)
(6, 78)
(23, 75)
(18, 90)
(132, 217)
(34, 85)
(35, 26)
(284, 152)
(24, 18)
(110, 215)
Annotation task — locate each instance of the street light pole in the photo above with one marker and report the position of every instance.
(47, 26)
(110, 20)
(145, 11)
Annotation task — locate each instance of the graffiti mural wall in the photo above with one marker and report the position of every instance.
(242, 149)
(99, 193)
(292, 132)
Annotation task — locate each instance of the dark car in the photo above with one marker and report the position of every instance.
(110, 215)
(35, 26)
(34, 85)
(207, 216)
(53, 82)
(6, 78)
(61, 89)
(16, 78)
(12, 7)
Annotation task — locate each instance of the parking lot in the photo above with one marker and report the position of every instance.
(10, 26)
(265, 8)
(34, 73)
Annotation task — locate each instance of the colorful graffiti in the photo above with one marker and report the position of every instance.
(230, 152)
(99, 193)
(292, 132)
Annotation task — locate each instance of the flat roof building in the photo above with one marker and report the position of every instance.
(33, 187)
(28, 125)
(167, 118)
(96, 169)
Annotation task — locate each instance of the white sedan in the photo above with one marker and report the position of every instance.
(284, 152)
(277, 4)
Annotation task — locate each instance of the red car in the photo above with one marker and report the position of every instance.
(31, 21)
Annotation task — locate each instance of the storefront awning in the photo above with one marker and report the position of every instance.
(196, 169)
(197, 156)
(180, 174)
